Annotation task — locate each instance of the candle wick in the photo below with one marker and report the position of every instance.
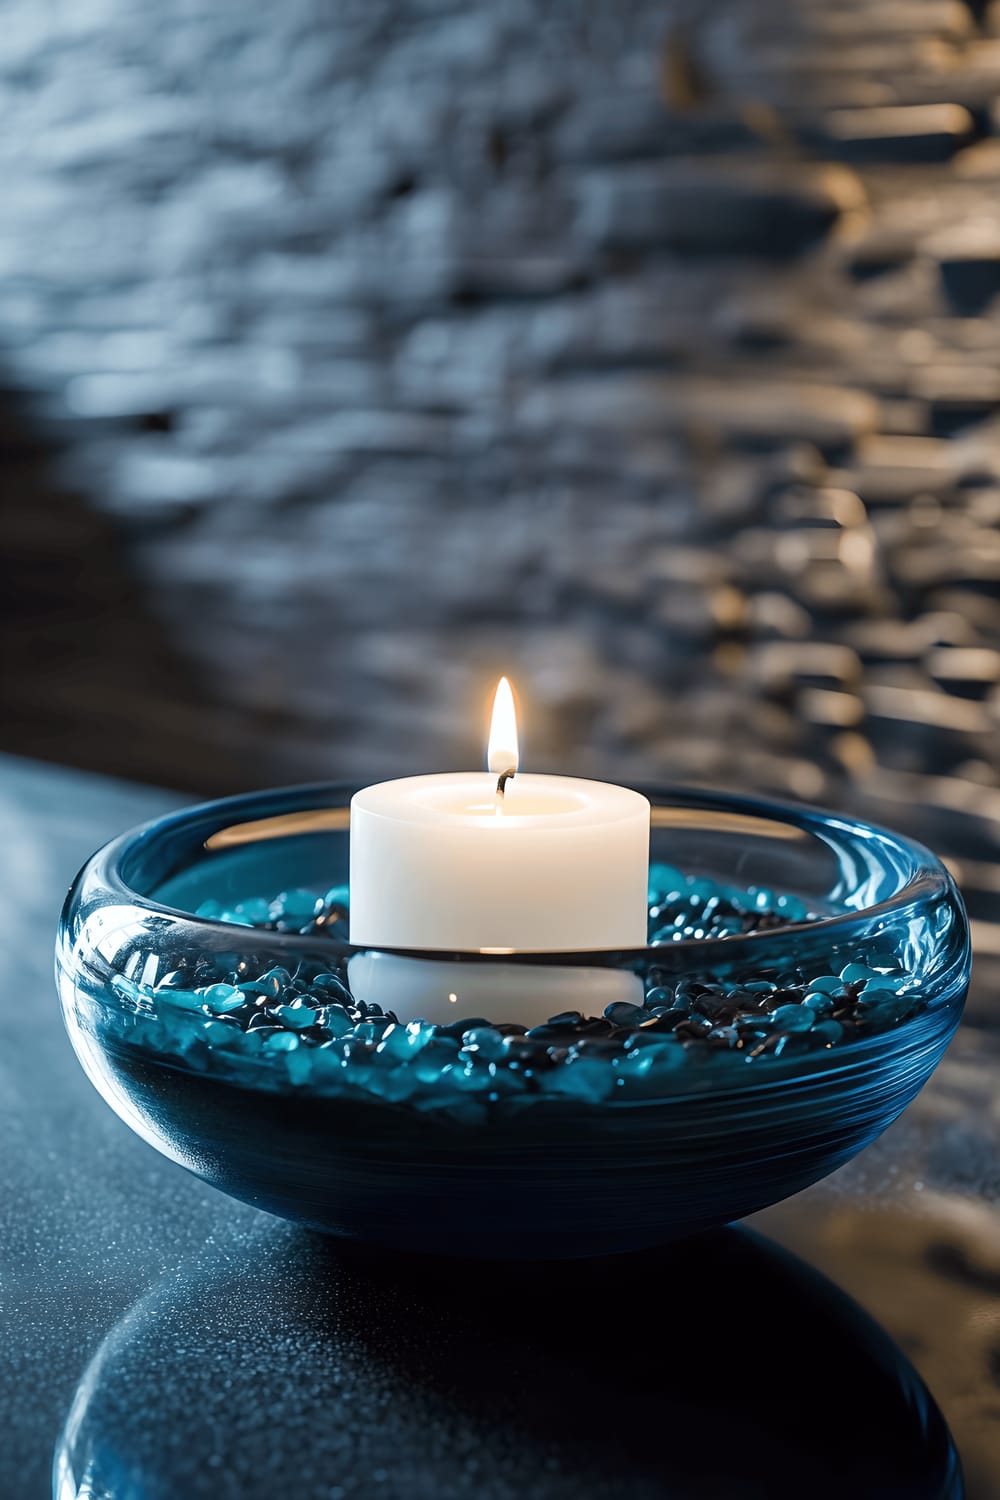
(502, 781)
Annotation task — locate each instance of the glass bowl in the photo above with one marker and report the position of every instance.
(456, 1138)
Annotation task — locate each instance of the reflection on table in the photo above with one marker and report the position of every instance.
(719, 1367)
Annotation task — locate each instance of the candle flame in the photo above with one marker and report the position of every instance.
(502, 753)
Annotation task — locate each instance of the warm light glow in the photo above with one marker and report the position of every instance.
(502, 752)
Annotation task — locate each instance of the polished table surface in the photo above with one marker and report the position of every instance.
(102, 1241)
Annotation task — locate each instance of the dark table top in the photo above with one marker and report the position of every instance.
(123, 1280)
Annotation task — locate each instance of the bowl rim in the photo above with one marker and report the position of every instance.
(926, 879)
(926, 875)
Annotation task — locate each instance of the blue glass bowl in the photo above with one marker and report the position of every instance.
(444, 1152)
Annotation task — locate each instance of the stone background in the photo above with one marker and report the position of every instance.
(352, 354)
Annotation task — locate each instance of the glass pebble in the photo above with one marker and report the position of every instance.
(222, 998)
(371, 1031)
(296, 905)
(485, 1042)
(819, 1003)
(457, 1029)
(419, 1034)
(271, 984)
(621, 1013)
(337, 1020)
(218, 1034)
(880, 1005)
(467, 1076)
(297, 1016)
(664, 881)
(581, 1078)
(827, 984)
(437, 1054)
(181, 999)
(394, 1044)
(884, 982)
(792, 1017)
(330, 984)
(857, 974)
(255, 910)
(281, 1041)
(299, 1065)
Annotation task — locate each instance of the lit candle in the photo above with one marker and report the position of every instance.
(495, 862)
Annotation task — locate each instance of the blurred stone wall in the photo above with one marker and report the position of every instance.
(353, 354)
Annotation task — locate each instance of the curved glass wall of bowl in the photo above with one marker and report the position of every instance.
(803, 976)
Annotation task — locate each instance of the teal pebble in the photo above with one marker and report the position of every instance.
(218, 1034)
(181, 999)
(281, 1041)
(329, 984)
(298, 1065)
(298, 906)
(881, 1005)
(664, 882)
(395, 1044)
(662, 1054)
(438, 1054)
(270, 984)
(890, 982)
(254, 910)
(484, 1042)
(819, 1003)
(221, 998)
(468, 1078)
(857, 974)
(792, 1017)
(297, 1016)
(338, 1021)
(827, 984)
(582, 1079)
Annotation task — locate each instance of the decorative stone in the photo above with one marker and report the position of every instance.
(735, 207)
(906, 132)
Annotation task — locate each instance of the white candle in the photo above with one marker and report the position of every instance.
(431, 989)
(495, 862)
(551, 864)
